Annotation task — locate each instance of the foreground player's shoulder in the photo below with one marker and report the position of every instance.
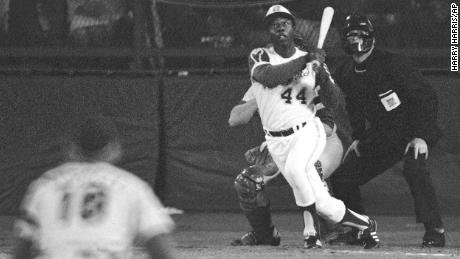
(39, 188)
(133, 182)
(49, 177)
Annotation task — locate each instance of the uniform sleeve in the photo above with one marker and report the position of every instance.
(421, 98)
(324, 113)
(251, 93)
(353, 109)
(273, 75)
(153, 217)
(27, 225)
(328, 91)
(257, 57)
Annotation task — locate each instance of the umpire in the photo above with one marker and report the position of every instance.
(392, 112)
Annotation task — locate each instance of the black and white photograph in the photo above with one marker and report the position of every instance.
(207, 129)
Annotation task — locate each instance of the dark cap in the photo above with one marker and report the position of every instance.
(94, 133)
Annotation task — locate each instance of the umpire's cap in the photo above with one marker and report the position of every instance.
(278, 11)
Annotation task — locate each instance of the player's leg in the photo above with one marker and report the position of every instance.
(305, 150)
(303, 195)
(317, 228)
(355, 171)
(249, 186)
(329, 160)
(335, 211)
(345, 184)
(331, 157)
(311, 230)
(425, 200)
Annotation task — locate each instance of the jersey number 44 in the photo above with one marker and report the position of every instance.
(301, 96)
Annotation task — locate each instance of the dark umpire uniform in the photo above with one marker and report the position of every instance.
(389, 104)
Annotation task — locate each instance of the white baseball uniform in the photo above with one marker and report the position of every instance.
(290, 107)
(90, 210)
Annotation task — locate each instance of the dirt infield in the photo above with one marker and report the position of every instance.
(207, 235)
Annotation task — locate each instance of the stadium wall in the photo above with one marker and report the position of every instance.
(176, 137)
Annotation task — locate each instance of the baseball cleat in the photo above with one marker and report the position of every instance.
(369, 237)
(250, 239)
(312, 242)
(432, 238)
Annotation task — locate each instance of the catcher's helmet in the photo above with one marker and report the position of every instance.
(278, 11)
(360, 27)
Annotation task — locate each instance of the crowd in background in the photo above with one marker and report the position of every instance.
(109, 23)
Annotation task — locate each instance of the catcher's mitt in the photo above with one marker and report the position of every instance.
(260, 159)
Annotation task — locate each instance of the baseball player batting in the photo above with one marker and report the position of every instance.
(260, 162)
(283, 88)
(88, 208)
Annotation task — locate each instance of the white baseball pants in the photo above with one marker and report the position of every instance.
(295, 156)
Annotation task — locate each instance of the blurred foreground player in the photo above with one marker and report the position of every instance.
(393, 112)
(87, 207)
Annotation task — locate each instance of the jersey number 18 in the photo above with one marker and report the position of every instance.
(92, 204)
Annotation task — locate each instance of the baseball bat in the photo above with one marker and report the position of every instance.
(326, 20)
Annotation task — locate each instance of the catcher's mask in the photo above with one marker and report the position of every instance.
(357, 34)
(278, 11)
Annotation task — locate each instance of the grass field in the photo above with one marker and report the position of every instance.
(208, 235)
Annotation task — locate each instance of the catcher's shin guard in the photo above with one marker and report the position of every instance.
(319, 169)
(249, 186)
(254, 203)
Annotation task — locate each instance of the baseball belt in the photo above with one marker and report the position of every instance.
(285, 133)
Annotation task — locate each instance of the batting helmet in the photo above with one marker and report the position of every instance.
(361, 27)
(278, 11)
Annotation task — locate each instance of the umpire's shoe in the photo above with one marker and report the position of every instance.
(432, 238)
(312, 242)
(250, 239)
(369, 237)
